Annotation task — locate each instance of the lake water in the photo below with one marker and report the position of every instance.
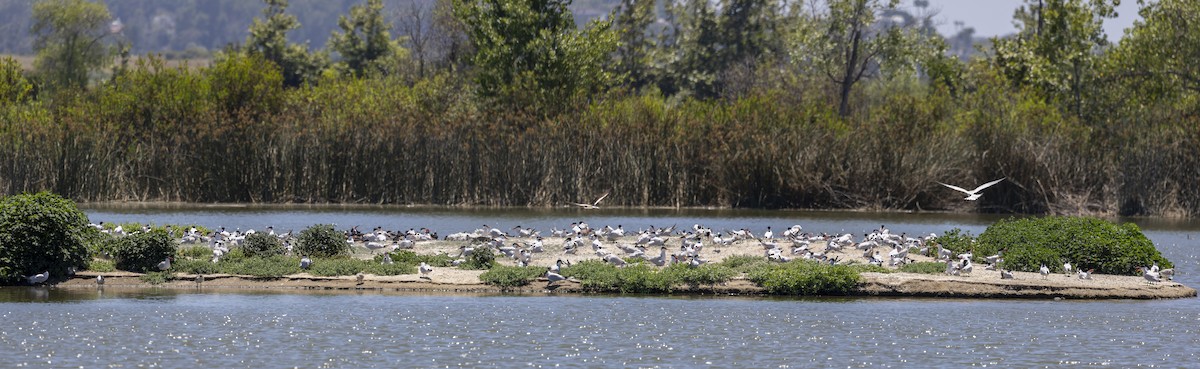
(56, 327)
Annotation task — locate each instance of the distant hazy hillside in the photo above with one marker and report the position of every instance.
(176, 25)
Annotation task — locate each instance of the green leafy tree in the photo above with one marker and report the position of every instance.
(365, 40)
(268, 37)
(844, 44)
(1057, 46)
(143, 251)
(529, 52)
(321, 240)
(694, 37)
(1157, 56)
(69, 40)
(38, 233)
(634, 55)
(14, 87)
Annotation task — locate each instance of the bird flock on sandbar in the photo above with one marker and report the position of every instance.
(693, 246)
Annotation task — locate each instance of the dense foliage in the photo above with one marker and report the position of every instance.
(511, 276)
(480, 259)
(321, 240)
(142, 251)
(1086, 243)
(38, 233)
(260, 244)
(802, 277)
(736, 103)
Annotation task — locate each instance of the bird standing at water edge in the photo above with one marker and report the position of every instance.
(972, 195)
(425, 269)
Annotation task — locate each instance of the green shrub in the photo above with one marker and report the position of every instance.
(262, 245)
(337, 267)
(101, 266)
(803, 277)
(642, 278)
(511, 276)
(412, 258)
(1085, 242)
(195, 266)
(593, 275)
(321, 240)
(376, 268)
(704, 275)
(268, 267)
(872, 268)
(157, 277)
(41, 232)
(480, 259)
(143, 251)
(955, 240)
(196, 252)
(742, 263)
(925, 267)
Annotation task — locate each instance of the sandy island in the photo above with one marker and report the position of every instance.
(979, 284)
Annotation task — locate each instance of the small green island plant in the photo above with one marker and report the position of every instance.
(1086, 243)
(321, 240)
(42, 232)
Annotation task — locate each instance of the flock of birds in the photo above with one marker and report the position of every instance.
(616, 246)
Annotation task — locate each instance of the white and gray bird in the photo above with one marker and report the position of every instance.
(594, 205)
(1045, 271)
(305, 263)
(425, 269)
(38, 278)
(165, 264)
(1005, 274)
(975, 194)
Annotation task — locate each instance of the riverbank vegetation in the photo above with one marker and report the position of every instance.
(739, 119)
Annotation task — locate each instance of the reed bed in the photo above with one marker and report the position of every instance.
(229, 134)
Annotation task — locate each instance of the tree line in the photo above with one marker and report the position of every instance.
(742, 103)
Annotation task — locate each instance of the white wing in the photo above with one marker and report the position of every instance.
(985, 185)
(600, 199)
(956, 188)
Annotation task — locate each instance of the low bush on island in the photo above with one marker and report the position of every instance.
(1086, 243)
(262, 245)
(511, 276)
(41, 232)
(803, 277)
(142, 251)
(321, 240)
(924, 267)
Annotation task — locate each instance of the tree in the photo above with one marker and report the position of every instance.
(365, 40)
(268, 37)
(14, 87)
(634, 58)
(41, 232)
(846, 45)
(1157, 56)
(693, 66)
(529, 52)
(69, 40)
(1056, 47)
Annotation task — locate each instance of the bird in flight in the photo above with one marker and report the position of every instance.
(972, 195)
(593, 205)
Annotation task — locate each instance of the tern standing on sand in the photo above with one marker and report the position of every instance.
(972, 195)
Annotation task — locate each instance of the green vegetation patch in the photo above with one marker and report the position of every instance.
(511, 276)
(803, 277)
(41, 232)
(925, 267)
(321, 240)
(141, 252)
(262, 245)
(1087, 243)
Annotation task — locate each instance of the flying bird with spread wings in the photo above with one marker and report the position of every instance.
(972, 195)
(593, 205)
